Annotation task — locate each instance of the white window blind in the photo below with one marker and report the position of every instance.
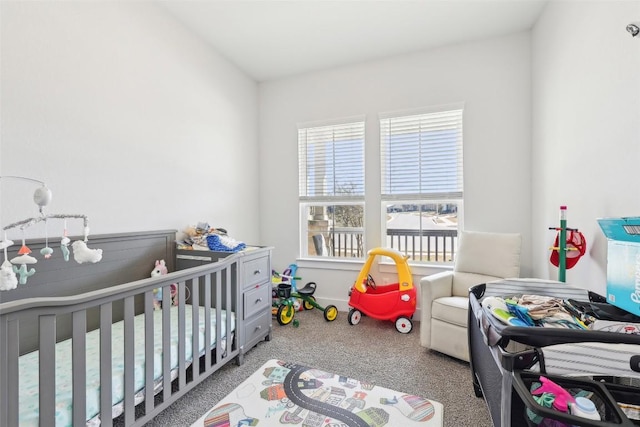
(421, 156)
(331, 162)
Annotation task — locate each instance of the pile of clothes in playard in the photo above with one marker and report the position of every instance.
(203, 237)
(551, 312)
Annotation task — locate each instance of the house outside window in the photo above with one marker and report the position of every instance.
(422, 182)
(331, 189)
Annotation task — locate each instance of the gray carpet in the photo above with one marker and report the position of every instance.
(371, 351)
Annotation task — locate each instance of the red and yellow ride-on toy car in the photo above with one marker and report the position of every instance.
(395, 302)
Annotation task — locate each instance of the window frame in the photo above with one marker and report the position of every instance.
(306, 237)
(421, 197)
(328, 195)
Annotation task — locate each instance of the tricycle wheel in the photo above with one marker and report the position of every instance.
(285, 314)
(354, 316)
(404, 325)
(330, 313)
(307, 304)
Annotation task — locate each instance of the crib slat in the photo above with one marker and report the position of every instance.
(195, 328)
(9, 329)
(148, 352)
(228, 307)
(207, 319)
(105, 365)
(166, 342)
(79, 369)
(47, 362)
(129, 360)
(182, 336)
(220, 307)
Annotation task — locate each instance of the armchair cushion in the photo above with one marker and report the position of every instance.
(451, 310)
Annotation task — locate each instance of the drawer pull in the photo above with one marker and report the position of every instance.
(259, 300)
(258, 327)
(255, 273)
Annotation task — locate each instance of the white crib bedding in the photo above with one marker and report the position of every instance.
(28, 367)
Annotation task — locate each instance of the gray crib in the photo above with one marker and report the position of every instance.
(69, 358)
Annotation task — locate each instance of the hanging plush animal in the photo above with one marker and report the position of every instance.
(160, 269)
(82, 253)
(8, 279)
(23, 260)
(64, 246)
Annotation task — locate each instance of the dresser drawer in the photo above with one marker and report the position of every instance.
(256, 271)
(257, 329)
(257, 299)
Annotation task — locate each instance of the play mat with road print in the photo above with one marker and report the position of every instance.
(281, 393)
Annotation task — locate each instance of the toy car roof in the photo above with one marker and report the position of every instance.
(405, 278)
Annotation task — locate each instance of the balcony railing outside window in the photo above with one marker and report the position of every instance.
(424, 245)
(346, 242)
(418, 245)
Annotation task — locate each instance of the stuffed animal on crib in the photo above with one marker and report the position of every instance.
(160, 269)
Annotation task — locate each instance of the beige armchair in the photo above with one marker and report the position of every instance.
(444, 297)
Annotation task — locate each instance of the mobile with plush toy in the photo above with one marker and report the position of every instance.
(19, 269)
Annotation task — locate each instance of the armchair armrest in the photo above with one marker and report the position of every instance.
(432, 287)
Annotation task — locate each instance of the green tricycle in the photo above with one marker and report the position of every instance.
(285, 301)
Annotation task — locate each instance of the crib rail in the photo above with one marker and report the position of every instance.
(212, 287)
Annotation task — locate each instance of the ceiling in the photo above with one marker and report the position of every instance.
(271, 39)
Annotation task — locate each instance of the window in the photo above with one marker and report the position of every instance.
(331, 189)
(422, 190)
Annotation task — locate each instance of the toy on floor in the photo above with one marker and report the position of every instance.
(288, 299)
(287, 276)
(395, 302)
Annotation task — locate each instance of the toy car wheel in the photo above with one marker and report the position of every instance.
(308, 305)
(285, 314)
(330, 313)
(404, 325)
(354, 316)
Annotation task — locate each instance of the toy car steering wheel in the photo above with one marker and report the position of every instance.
(371, 282)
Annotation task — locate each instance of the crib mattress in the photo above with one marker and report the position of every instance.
(28, 366)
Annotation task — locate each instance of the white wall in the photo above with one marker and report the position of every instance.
(134, 121)
(127, 116)
(586, 128)
(491, 77)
